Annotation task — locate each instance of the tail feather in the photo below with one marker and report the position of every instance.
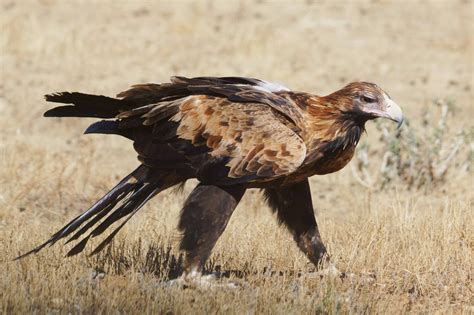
(130, 207)
(109, 127)
(110, 237)
(93, 221)
(102, 205)
(127, 188)
(122, 211)
(105, 211)
(86, 105)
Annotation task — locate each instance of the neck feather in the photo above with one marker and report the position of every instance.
(328, 120)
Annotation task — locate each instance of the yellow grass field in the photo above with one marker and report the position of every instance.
(409, 250)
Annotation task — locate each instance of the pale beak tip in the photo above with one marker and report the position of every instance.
(394, 112)
(400, 123)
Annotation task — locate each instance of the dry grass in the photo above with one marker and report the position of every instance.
(418, 243)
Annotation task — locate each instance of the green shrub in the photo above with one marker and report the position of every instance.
(419, 155)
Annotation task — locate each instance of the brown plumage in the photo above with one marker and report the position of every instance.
(231, 134)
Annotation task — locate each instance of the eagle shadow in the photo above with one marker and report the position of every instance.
(161, 261)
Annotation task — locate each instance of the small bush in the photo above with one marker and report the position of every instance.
(418, 156)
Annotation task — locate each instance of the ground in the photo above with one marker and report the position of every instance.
(409, 249)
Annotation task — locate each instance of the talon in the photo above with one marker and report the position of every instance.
(196, 280)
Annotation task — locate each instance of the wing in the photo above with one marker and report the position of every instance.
(235, 89)
(225, 128)
(252, 140)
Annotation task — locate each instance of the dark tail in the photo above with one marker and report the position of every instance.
(86, 105)
(132, 193)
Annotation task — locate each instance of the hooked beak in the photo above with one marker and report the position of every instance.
(393, 112)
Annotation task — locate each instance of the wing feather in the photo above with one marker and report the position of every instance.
(235, 89)
(254, 140)
(236, 127)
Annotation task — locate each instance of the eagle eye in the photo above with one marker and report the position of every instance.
(368, 99)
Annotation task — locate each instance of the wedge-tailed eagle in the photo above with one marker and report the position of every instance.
(231, 134)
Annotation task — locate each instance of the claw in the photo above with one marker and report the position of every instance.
(195, 280)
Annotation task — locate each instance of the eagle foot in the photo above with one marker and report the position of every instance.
(196, 280)
(330, 271)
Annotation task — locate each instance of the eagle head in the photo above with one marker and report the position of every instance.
(365, 101)
(373, 102)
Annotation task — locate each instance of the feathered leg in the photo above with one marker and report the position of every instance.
(294, 209)
(204, 217)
